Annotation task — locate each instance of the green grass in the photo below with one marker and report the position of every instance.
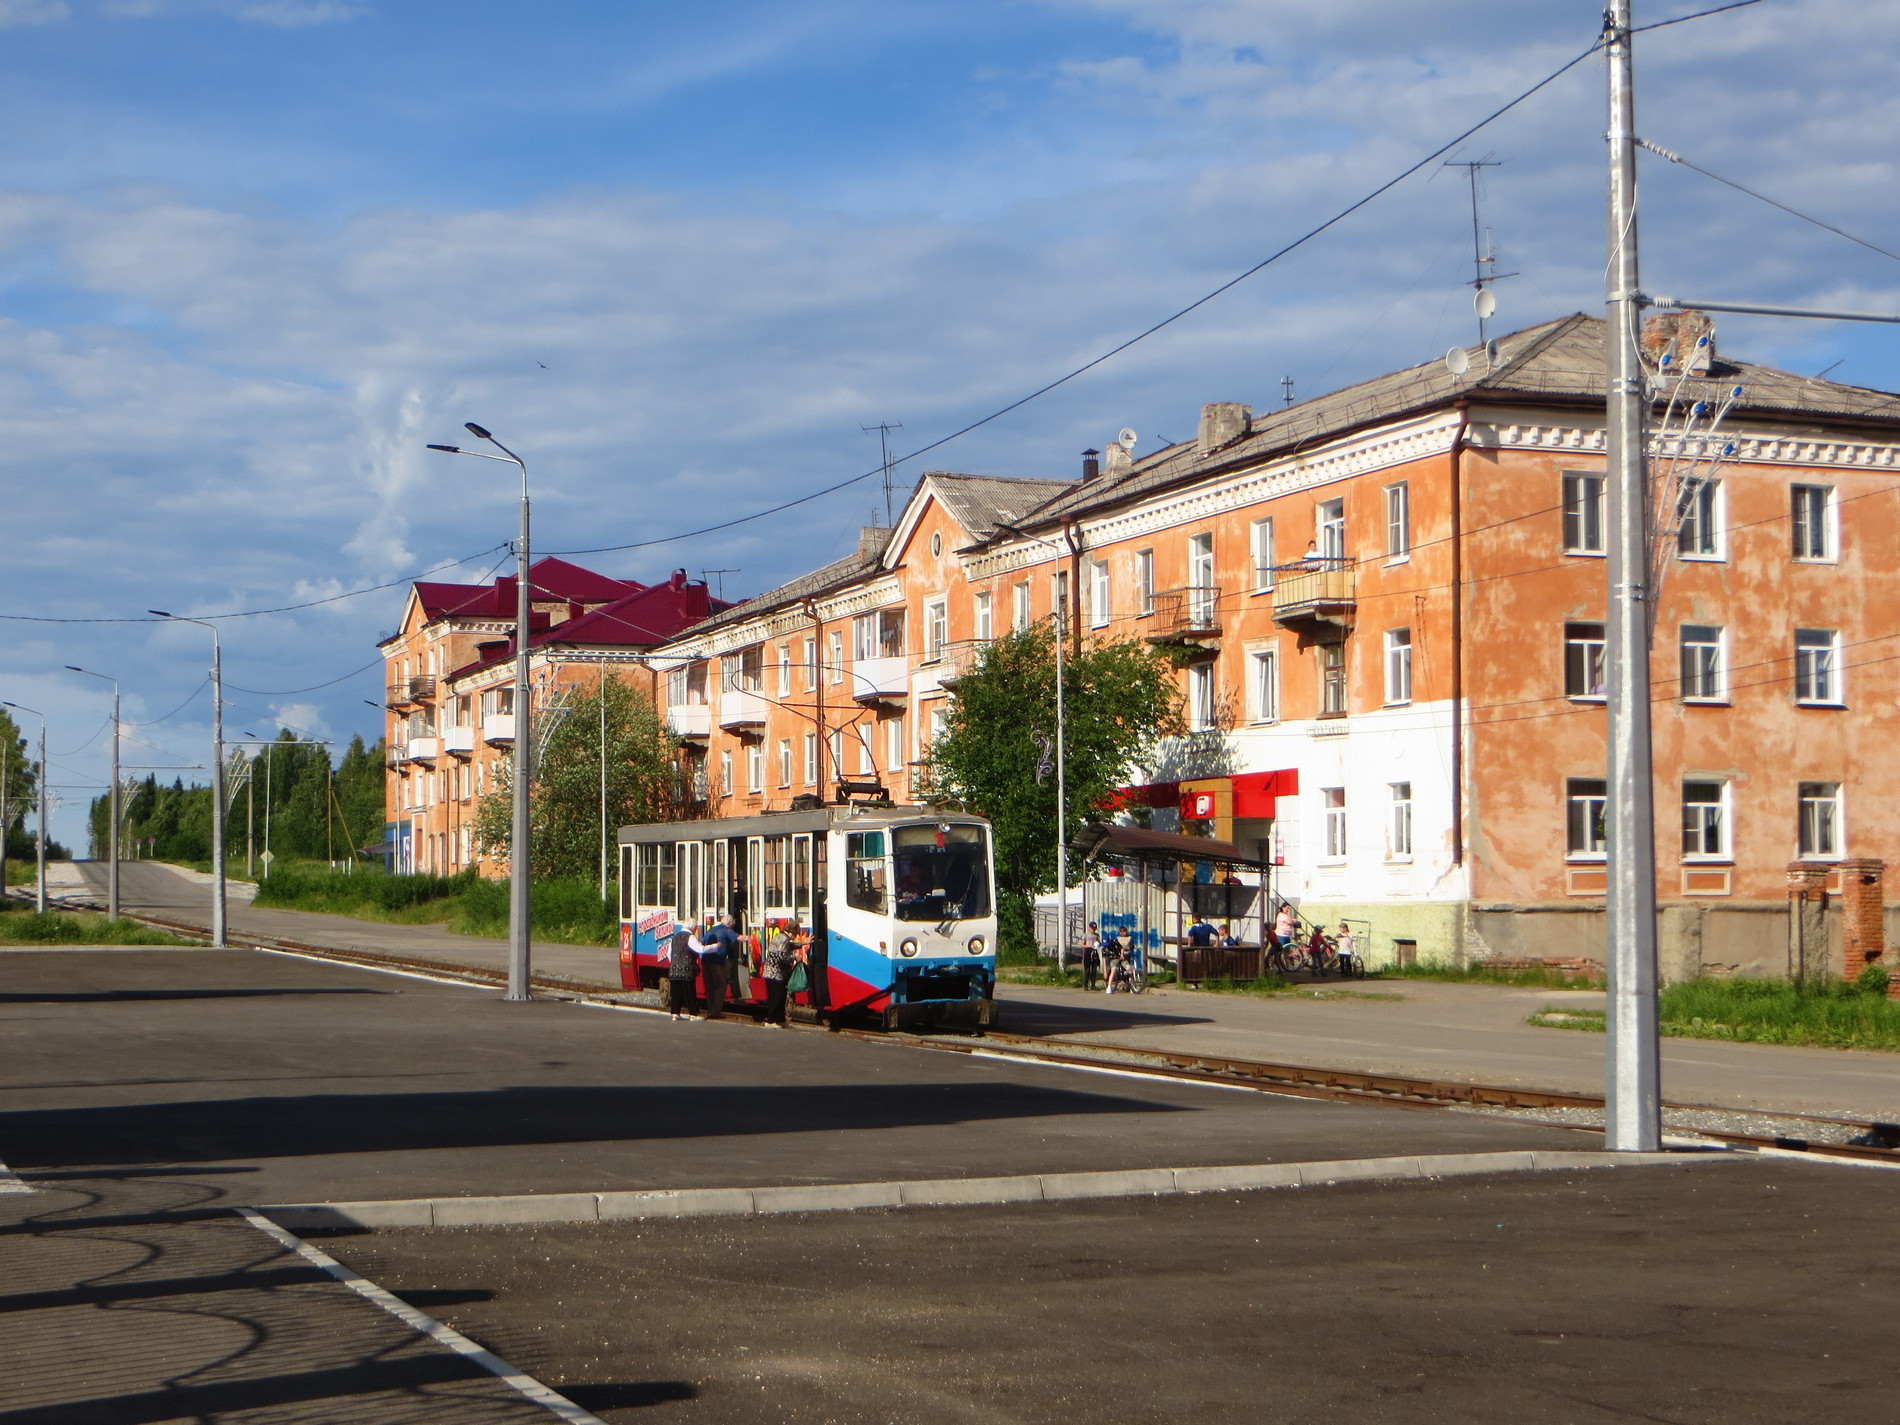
(78, 928)
(1540, 979)
(1832, 1015)
(565, 911)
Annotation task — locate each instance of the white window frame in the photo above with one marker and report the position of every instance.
(1098, 593)
(1819, 818)
(1596, 662)
(864, 645)
(1398, 667)
(755, 767)
(1588, 796)
(1705, 519)
(1202, 710)
(894, 749)
(837, 752)
(1335, 694)
(1398, 522)
(784, 670)
(1399, 828)
(1144, 582)
(1583, 511)
(1263, 684)
(1817, 668)
(1705, 823)
(837, 655)
(1329, 530)
(936, 628)
(785, 762)
(812, 777)
(982, 616)
(1703, 673)
(1333, 813)
(725, 772)
(1261, 542)
(1019, 607)
(1803, 525)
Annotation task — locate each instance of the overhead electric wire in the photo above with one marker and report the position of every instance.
(1822, 223)
(1699, 14)
(1140, 336)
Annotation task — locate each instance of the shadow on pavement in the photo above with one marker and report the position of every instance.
(1095, 1011)
(138, 996)
(630, 1394)
(234, 1130)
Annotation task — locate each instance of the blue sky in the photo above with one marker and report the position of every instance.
(254, 254)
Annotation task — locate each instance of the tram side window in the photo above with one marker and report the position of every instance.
(777, 881)
(942, 872)
(648, 861)
(864, 871)
(801, 876)
(668, 875)
(626, 883)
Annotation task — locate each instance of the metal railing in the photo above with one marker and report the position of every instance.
(421, 686)
(1314, 589)
(1190, 611)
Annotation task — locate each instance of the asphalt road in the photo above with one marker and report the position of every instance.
(1728, 1294)
(278, 1079)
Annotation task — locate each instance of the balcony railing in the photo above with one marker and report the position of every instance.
(399, 694)
(1190, 612)
(423, 749)
(498, 729)
(956, 660)
(880, 679)
(421, 687)
(690, 719)
(1314, 591)
(740, 708)
(459, 741)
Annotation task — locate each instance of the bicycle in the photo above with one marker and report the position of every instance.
(1286, 959)
(1125, 973)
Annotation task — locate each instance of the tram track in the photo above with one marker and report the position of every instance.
(1291, 1080)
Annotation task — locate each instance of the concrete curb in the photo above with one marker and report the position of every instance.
(845, 1197)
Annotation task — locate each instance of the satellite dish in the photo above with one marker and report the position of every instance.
(1491, 352)
(1127, 438)
(1457, 361)
(1486, 303)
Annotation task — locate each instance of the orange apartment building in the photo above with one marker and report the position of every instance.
(1387, 608)
(450, 688)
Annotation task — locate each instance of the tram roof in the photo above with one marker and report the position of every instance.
(787, 823)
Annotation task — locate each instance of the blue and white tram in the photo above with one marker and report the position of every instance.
(901, 900)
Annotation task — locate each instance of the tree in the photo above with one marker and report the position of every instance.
(997, 752)
(22, 776)
(643, 784)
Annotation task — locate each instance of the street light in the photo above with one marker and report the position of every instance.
(217, 776)
(518, 849)
(112, 875)
(39, 792)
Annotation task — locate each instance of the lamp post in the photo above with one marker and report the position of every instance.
(39, 795)
(217, 776)
(518, 848)
(112, 873)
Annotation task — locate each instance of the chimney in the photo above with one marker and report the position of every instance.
(1091, 464)
(678, 581)
(871, 540)
(1222, 423)
(1686, 337)
(1116, 460)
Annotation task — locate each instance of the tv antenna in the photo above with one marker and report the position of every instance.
(884, 429)
(1286, 387)
(706, 576)
(1484, 251)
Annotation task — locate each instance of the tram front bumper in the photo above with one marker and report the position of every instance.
(966, 1012)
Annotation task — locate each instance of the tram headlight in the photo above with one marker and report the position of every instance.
(907, 949)
(977, 947)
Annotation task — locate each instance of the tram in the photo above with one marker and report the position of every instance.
(901, 901)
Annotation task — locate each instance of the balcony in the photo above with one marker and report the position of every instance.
(740, 707)
(393, 757)
(1307, 595)
(459, 742)
(398, 694)
(1186, 615)
(957, 660)
(498, 729)
(421, 687)
(690, 719)
(877, 680)
(423, 749)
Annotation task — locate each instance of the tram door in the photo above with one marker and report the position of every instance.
(692, 881)
(719, 892)
(755, 881)
(819, 976)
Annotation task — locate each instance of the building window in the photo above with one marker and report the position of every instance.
(981, 605)
(725, 773)
(936, 629)
(751, 676)
(1698, 534)
(1583, 660)
(811, 759)
(1332, 680)
(1330, 531)
(784, 669)
(1200, 697)
(1398, 665)
(808, 659)
(1334, 801)
(1817, 673)
(894, 743)
(867, 764)
(1400, 835)
(863, 637)
(1813, 521)
(755, 767)
(1262, 555)
(1263, 685)
(1704, 668)
(1019, 607)
(1200, 570)
(837, 752)
(1820, 818)
(1704, 820)
(1144, 582)
(1583, 513)
(939, 722)
(1588, 798)
(1098, 593)
(785, 761)
(837, 655)
(1398, 521)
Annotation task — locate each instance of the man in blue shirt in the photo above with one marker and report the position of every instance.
(1201, 935)
(718, 945)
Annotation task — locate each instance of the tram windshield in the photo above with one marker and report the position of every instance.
(940, 872)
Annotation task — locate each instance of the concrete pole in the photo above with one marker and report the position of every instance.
(218, 925)
(6, 752)
(39, 853)
(112, 873)
(1632, 1092)
(1062, 779)
(601, 693)
(519, 947)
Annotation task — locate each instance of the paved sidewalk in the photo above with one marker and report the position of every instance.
(132, 1299)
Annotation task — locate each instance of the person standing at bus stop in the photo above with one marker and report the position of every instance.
(781, 955)
(718, 945)
(682, 966)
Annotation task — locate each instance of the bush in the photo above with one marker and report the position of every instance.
(54, 928)
(325, 890)
(1873, 980)
(1015, 931)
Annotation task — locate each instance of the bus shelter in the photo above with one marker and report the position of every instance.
(1150, 886)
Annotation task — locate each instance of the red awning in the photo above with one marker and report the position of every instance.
(1254, 792)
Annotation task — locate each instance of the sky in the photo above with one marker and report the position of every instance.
(256, 254)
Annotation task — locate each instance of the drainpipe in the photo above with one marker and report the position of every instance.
(1458, 668)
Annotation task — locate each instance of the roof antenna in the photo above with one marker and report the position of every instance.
(884, 429)
(1484, 255)
(1286, 386)
(706, 577)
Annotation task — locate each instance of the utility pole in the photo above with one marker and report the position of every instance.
(884, 429)
(602, 696)
(112, 805)
(1632, 1092)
